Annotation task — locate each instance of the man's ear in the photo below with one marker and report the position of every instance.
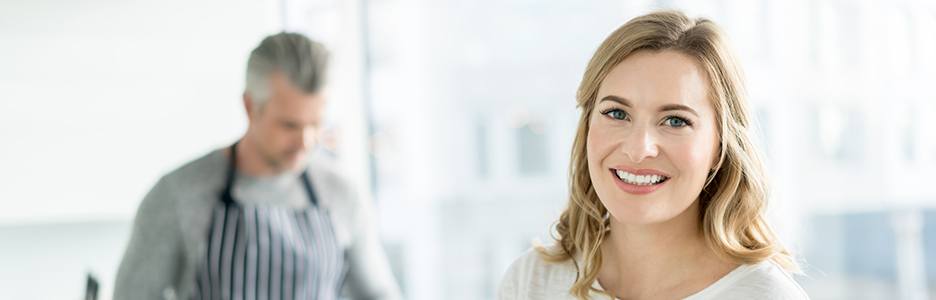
(248, 105)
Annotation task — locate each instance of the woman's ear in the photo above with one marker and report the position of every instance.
(717, 154)
(715, 159)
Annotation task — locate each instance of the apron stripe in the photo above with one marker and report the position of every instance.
(303, 269)
(250, 258)
(336, 268)
(264, 256)
(283, 257)
(237, 288)
(317, 248)
(321, 249)
(227, 253)
(250, 269)
(276, 260)
(216, 258)
(288, 257)
(296, 243)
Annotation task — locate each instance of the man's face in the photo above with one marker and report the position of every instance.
(287, 125)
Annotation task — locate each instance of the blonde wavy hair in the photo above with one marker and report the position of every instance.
(734, 197)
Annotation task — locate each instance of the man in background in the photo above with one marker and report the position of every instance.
(266, 217)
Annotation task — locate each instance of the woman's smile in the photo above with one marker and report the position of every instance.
(638, 182)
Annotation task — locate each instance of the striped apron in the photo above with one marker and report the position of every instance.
(263, 252)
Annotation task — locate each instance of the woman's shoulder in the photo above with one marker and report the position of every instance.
(763, 280)
(531, 276)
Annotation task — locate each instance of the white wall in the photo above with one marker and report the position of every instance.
(98, 99)
(101, 97)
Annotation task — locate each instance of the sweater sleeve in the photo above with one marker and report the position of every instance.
(509, 287)
(369, 274)
(512, 284)
(153, 258)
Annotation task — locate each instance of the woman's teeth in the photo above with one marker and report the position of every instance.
(639, 179)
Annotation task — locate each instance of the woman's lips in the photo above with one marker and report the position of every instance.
(638, 189)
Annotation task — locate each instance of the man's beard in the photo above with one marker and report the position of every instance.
(282, 162)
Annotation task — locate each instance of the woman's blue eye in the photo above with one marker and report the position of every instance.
(676, 122)
(616, 114)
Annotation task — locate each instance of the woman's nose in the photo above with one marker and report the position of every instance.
(640, 144)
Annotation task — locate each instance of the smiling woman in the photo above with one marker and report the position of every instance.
(644, 125)
(667, 189)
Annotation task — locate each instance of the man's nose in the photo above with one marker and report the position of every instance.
(307, 137)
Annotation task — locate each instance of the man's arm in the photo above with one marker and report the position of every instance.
(369, 274)
(153, 258)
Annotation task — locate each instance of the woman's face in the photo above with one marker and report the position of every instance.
(652, 137)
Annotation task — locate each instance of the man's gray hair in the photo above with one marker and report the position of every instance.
(297, 57)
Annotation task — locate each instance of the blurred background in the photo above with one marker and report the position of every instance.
(456, 118)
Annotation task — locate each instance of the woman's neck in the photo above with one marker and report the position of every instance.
(661, 258)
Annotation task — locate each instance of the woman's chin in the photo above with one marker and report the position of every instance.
(639, 213)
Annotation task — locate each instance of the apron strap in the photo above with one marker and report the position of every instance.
(308, 188)
(226, 196)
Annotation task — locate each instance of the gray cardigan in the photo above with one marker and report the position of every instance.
(169, 233)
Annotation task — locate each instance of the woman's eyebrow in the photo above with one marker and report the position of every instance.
(671, 107)
(664, 108)
(621, 100)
